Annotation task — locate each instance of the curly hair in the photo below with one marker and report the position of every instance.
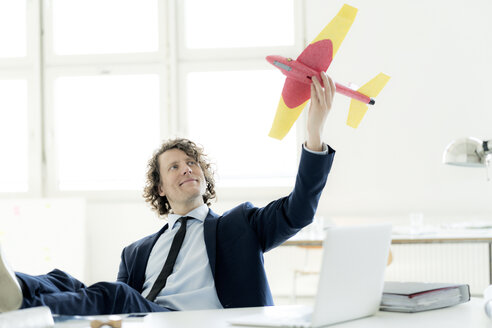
(151, 191)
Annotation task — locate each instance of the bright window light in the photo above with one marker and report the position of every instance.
(12, 28)
(232, 24)
(13, 136)
(104, 26)
(230, 113)
(106, 128)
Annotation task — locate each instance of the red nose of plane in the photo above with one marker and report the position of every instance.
(270, 59)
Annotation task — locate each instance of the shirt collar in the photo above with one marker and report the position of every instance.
(199, 213)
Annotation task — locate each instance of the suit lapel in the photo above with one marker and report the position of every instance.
(142, 257)
(210, 234)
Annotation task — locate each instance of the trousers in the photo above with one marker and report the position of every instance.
(65, 295)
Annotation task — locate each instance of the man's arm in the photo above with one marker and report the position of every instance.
(123, 271)
(283, 218)
(321, 102)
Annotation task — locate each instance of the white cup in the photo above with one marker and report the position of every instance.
(416, 223)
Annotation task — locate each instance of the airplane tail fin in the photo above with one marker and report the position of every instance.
(356, 113)
(371, 89)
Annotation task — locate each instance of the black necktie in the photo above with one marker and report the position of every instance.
(160, 283)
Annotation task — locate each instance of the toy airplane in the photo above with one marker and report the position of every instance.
(311, 62)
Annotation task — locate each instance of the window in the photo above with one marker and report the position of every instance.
(105, 94)
(229, 93)
(205, 22)
(13, 29)
(88, 89)
(133, 26)
(105, 134)
(13, 136)
(231, 112)
(20, 142)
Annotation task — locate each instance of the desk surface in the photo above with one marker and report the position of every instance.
(470, 314)
(438, 236)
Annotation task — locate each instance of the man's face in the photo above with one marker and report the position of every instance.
(182, 179)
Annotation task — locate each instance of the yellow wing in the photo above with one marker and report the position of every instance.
(371, 89)
(284, 119)
(337, 29)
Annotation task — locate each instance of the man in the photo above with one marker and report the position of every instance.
(199, 260)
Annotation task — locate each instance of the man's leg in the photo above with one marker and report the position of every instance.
(100, 298)
(54, 282)
(64, 294)
(10, 291)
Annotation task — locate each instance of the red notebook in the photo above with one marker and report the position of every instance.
(419, 296)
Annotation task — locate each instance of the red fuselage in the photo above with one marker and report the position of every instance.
(298, 71)
(293, 69)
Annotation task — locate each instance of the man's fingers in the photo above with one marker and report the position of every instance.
(313, 93)
(329, 87)
(328, 91)
(319, 91)
(333, 87)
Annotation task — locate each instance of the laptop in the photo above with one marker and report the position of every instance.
(350, 283)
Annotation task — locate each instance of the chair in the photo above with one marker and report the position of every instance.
(306, 270)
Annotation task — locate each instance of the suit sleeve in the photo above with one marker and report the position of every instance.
(123, 270)
(283, 218)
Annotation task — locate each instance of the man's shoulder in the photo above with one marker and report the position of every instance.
(237, 210)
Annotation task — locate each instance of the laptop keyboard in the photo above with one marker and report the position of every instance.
(294, 320)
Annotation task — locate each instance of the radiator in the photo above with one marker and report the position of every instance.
(454, 263)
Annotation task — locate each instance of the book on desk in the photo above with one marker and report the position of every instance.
(419, 296)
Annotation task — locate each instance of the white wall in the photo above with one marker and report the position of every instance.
(438, 55)
(38, 235)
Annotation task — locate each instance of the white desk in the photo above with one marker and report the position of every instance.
(466, 315)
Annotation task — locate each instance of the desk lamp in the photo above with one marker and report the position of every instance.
(469, 152)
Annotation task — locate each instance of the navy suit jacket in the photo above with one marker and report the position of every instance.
(237, 240)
